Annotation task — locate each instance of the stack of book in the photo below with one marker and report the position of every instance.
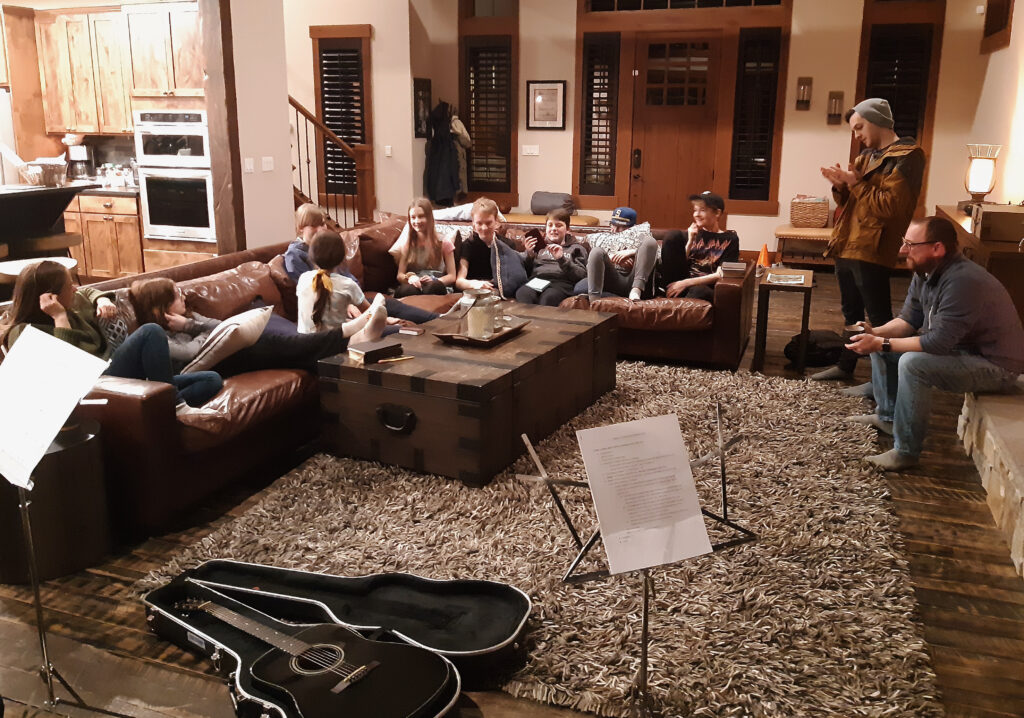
(373, 352)
(734, 269)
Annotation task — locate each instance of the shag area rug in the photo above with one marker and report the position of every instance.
(816, 618)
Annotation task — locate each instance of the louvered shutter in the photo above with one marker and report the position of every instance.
(600, 93)
(489, 113)
(342, 100)
(611, 5)
(754, 114)
(898, 63)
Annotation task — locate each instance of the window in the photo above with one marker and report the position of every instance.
(754, 114)
(342, 108)
(490, 112)
(677, 74)
(600, 91)
(898, 66)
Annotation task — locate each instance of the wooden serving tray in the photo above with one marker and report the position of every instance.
(500, 335)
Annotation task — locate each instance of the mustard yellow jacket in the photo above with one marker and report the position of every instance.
(875, 212)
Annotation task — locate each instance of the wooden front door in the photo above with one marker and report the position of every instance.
(674, 115)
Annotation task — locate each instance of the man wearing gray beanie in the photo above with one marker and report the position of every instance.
(875, 199)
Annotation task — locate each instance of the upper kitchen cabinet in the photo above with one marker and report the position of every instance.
(112, 64)
(166, 50)
(4, 75)
(55, 73)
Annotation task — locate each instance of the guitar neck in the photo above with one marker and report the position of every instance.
(282, 641)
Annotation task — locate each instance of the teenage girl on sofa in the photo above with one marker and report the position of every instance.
(161, 302)
(326, 297)
(46, 298)
(427, 263)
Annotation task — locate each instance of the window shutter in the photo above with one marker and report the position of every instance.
(342, 99)
(489, 93)
(754, 115)
(898, 63)
(612, 5)
(600, 93)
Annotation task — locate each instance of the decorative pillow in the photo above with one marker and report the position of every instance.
(379, 267)
(544, 202)
(231, 335)
(115, 330)
(460, 213)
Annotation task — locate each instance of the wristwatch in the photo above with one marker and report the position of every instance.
(886, 346)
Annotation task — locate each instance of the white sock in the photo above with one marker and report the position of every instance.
(374, 327)
(634, 294)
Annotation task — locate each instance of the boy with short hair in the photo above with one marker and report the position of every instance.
(485, 263)
(557, 262)
(691, 263)
(621, 261)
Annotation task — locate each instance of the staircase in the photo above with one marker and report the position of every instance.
(331, 173)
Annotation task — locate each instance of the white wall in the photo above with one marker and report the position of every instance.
(390, 80)
(263, 120)
(434, 54)
(547, 51)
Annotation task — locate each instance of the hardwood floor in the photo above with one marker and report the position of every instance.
(970, 599)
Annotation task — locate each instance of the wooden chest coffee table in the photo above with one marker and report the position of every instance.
(459, 411)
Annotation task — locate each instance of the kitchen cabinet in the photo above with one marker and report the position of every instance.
(166, 50)
(66, 73)
(111, 62)
(4, 74)
(113, 238)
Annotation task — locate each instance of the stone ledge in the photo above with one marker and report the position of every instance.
(992, 429)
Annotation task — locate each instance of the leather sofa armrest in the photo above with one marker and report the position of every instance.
(138, 422)
(734, 307)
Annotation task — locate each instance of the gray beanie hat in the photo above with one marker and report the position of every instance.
(876, 111)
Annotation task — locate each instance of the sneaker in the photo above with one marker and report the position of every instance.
(833, 373)
(634, 294)
(872, 420)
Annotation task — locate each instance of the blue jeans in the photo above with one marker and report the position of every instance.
(144, 355)
(903, 385)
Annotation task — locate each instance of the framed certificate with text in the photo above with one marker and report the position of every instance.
(545, 105)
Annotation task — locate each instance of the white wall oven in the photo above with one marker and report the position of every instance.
(177, 203)
(172, 139)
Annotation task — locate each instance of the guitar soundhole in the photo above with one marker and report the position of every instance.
(317, 659)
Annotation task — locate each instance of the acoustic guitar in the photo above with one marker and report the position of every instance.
(329, 671)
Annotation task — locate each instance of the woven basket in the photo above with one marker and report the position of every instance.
(808, 211)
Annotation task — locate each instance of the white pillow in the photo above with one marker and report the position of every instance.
(459, 213)
(231, 335)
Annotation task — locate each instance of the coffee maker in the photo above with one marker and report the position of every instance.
(81, 162)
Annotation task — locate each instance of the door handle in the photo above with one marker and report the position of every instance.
(637, 159)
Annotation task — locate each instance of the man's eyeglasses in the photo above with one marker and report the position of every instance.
(908, 243)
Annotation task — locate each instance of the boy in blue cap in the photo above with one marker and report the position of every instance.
(622, 260)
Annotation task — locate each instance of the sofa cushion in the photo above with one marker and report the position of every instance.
(379, 268)
(245, 400)
(230, 336)
(660, 314)
(227, 293)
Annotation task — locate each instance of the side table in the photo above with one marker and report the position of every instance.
(787, 281)
(68, 507)
(811, 241)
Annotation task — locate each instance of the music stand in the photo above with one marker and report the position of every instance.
(641, 701)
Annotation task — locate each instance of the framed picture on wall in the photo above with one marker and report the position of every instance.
(545, 105)
(420, 105)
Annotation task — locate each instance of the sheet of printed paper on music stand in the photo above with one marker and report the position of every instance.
(646, 501)
(41, 380)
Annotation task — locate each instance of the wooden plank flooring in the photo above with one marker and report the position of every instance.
(970, 599)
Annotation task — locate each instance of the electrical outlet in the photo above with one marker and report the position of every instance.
(531, 150)
(267, 164)
(249, 165)
(387, 150)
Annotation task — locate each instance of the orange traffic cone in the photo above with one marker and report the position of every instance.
(762, 260)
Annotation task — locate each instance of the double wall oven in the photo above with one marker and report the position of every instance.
(175, 180)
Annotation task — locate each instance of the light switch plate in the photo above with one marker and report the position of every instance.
(531, 150)
(250, 165)
(267, 164)
(387, 150)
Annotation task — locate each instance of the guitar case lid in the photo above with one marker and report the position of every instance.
(174, 612)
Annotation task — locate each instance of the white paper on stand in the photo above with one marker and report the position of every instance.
(41, 380)
(646, 501)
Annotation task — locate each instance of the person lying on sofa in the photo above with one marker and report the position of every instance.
(556, 260)
(161, 302)
(310, 219)
(326, 298)
(427, 262)
(621, 261)
(691, 263)
(485, 263)
(46, 298)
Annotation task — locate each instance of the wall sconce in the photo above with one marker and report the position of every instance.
(803, 93)
(834, 113)
(981, 173)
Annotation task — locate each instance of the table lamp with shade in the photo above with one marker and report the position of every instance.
(981, 174)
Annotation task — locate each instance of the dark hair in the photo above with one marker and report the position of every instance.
(327, 250)
(151, 299)
(44, 277)
(848, 114)
(560, 214)
(941, 231)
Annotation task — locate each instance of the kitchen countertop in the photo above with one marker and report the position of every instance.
(32, 211)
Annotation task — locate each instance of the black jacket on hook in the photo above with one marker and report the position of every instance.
(441, 174)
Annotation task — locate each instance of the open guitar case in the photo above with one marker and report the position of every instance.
(476, 626)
